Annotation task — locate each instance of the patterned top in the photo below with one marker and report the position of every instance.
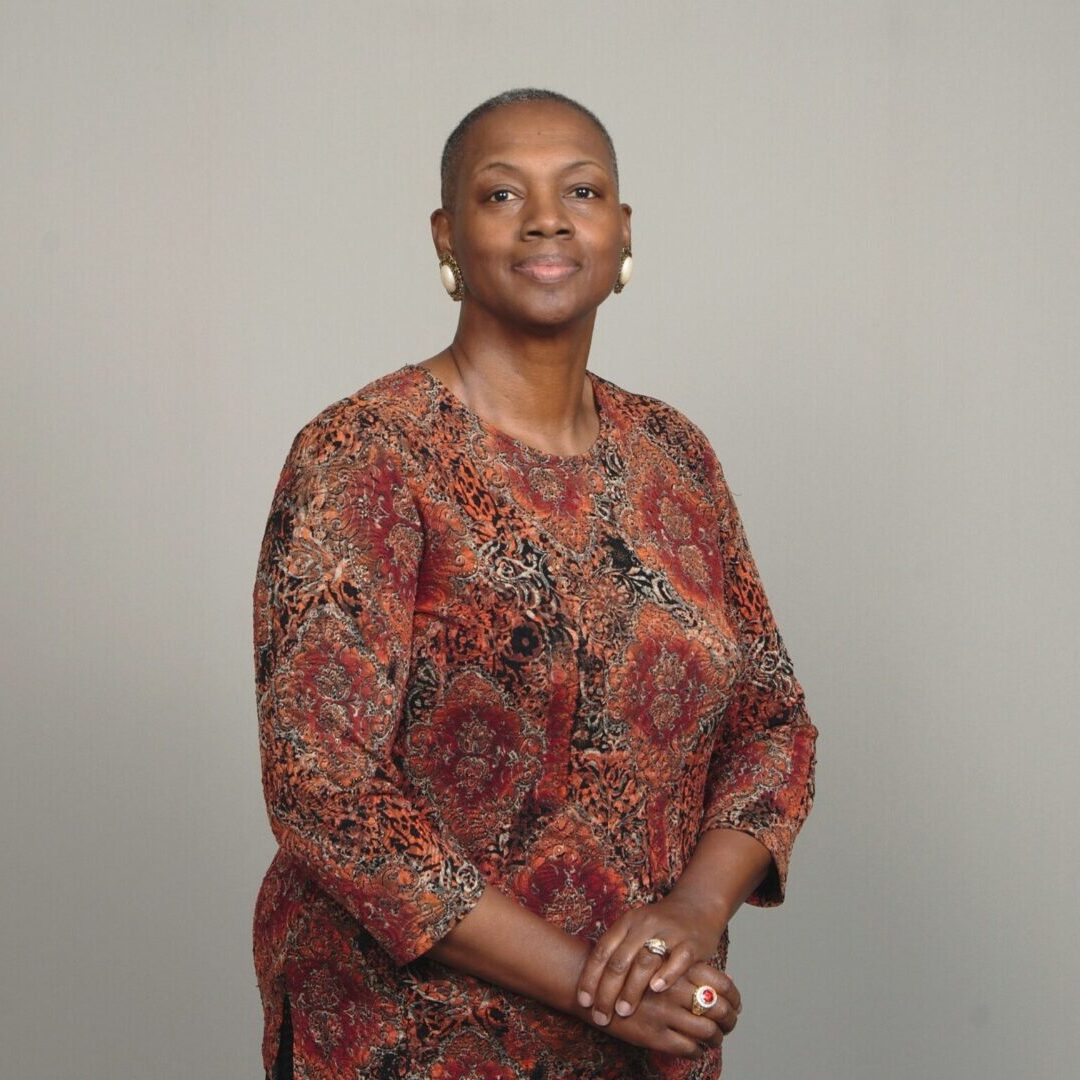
(477, 662)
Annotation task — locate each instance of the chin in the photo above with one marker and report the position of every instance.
(554, 311)
(554, 320)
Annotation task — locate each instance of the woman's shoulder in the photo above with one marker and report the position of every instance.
(383, 415)
(664, 427)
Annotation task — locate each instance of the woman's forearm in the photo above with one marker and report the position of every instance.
(726, 867)
(505, 943)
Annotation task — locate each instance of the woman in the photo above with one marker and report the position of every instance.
(529, 733)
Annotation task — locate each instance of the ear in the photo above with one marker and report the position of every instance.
(442, 230)
(626, 212)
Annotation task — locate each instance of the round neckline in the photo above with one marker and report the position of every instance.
(524, 449)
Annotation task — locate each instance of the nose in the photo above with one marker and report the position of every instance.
(546, 216)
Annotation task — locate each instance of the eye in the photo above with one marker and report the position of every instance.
(586, 188)
(500, 191)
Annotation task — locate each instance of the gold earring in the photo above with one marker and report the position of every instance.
(626, 268)
(452, 280)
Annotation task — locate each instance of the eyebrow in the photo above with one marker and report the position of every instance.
(513, 168)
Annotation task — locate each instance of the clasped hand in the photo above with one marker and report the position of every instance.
(619, 973)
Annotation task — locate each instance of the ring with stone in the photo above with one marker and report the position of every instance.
(656, 945)
(705, 997)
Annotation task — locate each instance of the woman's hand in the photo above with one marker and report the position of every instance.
(619, 968)
(665, 1022)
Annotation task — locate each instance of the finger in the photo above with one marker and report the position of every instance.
(724, 1014)
(684, 1034)
(612, 979)
(722, 982)
(723, 1024)
(684, 1046)
(675, 965)
(699, 1028)
(724, 1017)
(637, 979)
(597, 961)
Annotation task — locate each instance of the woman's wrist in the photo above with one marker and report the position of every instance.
(709, 907)
(727, 865)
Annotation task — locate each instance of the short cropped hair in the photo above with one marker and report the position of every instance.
(451, 155)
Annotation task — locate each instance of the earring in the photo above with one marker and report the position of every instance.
(452, 280)
(626, 268)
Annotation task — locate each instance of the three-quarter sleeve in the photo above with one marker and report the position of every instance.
(761, 772)
(333, 607)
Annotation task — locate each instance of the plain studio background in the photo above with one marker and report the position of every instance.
(855, 232)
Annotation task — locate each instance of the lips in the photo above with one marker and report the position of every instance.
(547, 268)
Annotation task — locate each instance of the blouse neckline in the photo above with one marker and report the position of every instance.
(514, 445)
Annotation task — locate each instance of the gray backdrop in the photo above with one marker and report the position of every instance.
(855, 233)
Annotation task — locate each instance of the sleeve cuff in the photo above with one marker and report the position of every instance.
(771, 890)
(409, 930)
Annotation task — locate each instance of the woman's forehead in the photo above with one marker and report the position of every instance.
(514, 134)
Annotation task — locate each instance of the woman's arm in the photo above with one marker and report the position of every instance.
(505, 943)
(760, 783)
(761, 773)
(726, 867)
(333, 606)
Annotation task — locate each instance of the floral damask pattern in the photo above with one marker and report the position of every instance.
(476, 664)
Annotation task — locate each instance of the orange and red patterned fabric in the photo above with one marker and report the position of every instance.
(478, 663)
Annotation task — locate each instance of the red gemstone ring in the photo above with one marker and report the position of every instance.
(705, 997)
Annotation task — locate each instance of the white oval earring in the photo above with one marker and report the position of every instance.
(450, 272)
(626, 269)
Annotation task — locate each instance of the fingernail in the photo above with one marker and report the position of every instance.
(623, 1008)
(585, 998)
(599, 1017)
(658, 985)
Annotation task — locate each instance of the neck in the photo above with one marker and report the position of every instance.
(531, 386)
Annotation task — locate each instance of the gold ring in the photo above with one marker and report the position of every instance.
(705, 997)
(656, 945)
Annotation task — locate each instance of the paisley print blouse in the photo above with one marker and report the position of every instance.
(478, 663)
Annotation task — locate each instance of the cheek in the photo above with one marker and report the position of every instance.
(604, 256)
(490, 257)
(480, 237)
(605, 248)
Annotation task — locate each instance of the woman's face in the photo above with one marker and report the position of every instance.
(536, 225)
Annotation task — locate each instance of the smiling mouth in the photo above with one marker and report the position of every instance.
(547, 272)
